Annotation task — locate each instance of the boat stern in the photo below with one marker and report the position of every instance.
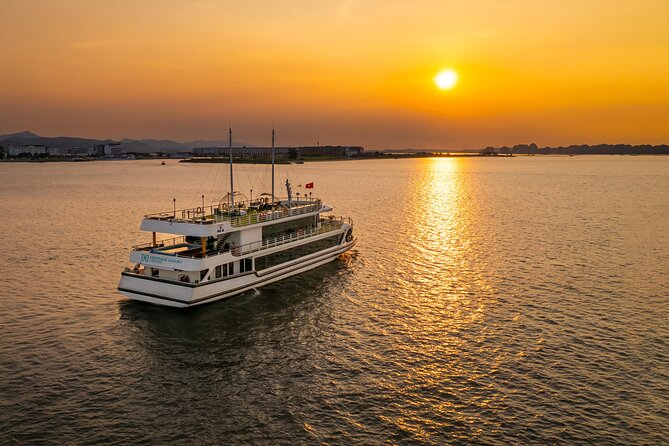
(155, 291)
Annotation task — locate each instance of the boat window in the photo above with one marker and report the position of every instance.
(245, 265)
(287, 255)
(203, 274)
(231, 268)
(271, 231)
(221, 271)
(155, 272)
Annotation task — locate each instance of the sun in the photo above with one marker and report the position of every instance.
(446, 79)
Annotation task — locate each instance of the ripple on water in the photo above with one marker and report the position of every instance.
(518, 301)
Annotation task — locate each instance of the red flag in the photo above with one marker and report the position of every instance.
(309, 186)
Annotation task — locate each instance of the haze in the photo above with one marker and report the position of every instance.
(347, 72)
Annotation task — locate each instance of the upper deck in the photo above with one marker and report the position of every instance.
(216, 219)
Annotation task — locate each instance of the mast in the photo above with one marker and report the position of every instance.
(272, 164)
(232, 186)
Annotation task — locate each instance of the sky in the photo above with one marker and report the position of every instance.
(338, 72)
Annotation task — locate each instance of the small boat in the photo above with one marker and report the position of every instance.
(163, 163)
(235, 245)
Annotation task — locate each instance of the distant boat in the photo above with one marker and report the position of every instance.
(163, 163)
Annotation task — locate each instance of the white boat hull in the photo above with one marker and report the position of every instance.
(178, 295)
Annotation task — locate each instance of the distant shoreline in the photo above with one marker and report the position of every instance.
(31, 147)
(326, 159)
(582, 149)
(385, 156)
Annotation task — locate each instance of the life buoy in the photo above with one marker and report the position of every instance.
(198, 210)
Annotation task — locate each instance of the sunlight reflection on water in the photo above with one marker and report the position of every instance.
(437, 301)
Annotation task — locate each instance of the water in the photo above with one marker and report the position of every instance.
(491, 301)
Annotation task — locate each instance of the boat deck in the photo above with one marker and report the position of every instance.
(242, 214)
(178, 246)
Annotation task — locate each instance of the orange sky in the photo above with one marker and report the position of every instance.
(339, 72)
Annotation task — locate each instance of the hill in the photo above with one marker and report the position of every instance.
(128, 145)
(25, 134)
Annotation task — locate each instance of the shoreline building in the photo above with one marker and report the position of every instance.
(339, 151)
(30, 149)
(107, 150)
(112, 150)
(280, 152)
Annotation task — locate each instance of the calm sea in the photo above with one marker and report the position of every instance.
(520, 300)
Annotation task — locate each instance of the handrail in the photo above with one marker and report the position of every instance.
(182, 239)
(221, 212)
(282, 212)
(331, 218)
(278, 241)
(237, 251)
(166, 242)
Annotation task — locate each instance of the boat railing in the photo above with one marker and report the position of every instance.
(160, 243)
(328, 224)
(242, 214)
(331, 218)
(275, 214)
(286, 238)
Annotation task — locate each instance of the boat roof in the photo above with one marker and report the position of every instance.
(218, 219)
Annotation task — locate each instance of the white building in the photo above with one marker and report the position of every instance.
(263, 152)
(112, 149)
(58, 151)
(32, 149)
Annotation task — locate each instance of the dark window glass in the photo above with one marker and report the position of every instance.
(221, 271)
(274, 230)
(287, 255)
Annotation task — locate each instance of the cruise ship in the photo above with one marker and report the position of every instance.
(218, 251)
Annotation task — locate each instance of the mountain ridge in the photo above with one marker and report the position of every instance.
(128, 144)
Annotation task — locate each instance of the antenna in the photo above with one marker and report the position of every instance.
(290, 193)
(232, 185)
(272, 163)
